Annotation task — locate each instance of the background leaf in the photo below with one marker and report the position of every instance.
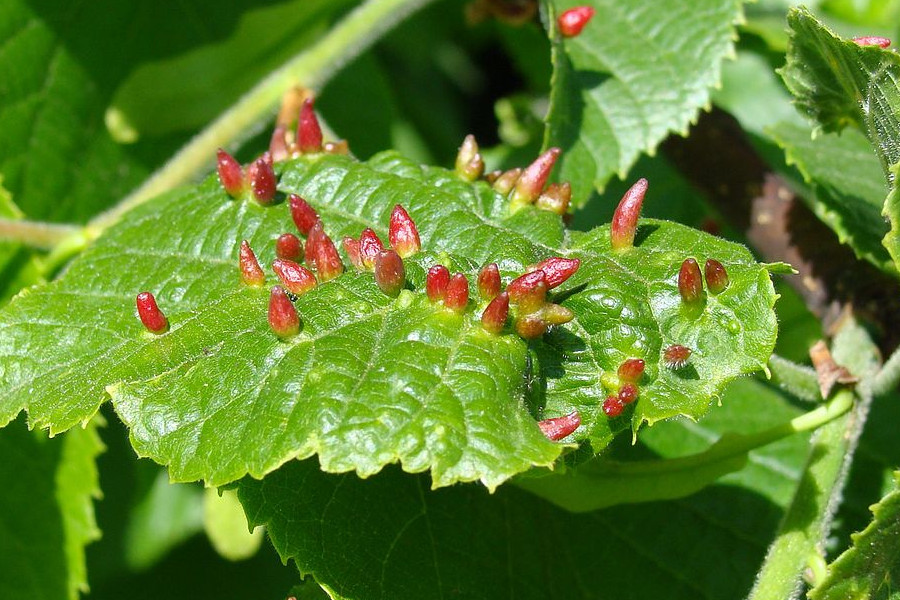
(840, 83)
(46, 511)
(637, 72)
(871, 568)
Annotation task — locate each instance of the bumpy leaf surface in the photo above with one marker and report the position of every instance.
(390, 537)
(871, 568)
(371, 379)
(840, 83)
(46, 511)
(637, 72)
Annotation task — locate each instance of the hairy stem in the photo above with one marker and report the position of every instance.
(799, 380)
(311, 68)
(603, 483)
(36, 234)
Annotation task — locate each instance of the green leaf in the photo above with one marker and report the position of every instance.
(371, 380)
(639, 71)
(871, 568)
(849, 201)
(840, 83)
(46, 511)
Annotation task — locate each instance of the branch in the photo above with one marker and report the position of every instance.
(36, 234)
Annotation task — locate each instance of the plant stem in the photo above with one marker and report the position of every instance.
(889, 375)
(799, 380)
(603, 483)
(36, 234)
(311, 68)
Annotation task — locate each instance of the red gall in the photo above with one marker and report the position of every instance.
(690, 282)
(613, 407)
(313, 240)
(628, 393)
(631, 370)
(559, 427)
(676, 356)
(390, 274)
(309, 133)
(148, 311)
(469, 164)
(283, 317)
(402, 233)
(351, 247)
(625, 218)
(572, 21)
(489, 282)
(325, 256)
(456, 297)
(297, 279)
(555, 198)
(528, 291)
(533, 179)
(557, 269)
(289, 246)
(302, 213)
(278, 144)
(262, 179)
(231, 175)
(436, 282)
(872, 40)
(716, 276)
(251, 273)
(369, 247)
(493, 319)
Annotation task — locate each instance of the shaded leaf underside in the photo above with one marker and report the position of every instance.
(370, 380)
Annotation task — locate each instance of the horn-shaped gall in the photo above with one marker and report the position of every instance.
(872, 40)
(493, 319)
(530, 326)
(690, 282)
(283, 317)
(572, 21)
(554, 314)
(469, 164)
(390, 274)
(369, 247)
(716, 276)
(324, 256)
(297, 279)
(628, 393)
(533, 179)
(351, 247)
(309, 132)
(302, 213)
(625, 218)
(231, 175)
(436, 282)
(557, 269)
(150, 314)
(402, 233)
(631, 370)
(278, 144)
(456, 297)
(528, 291)
(289, 247)
(489, 282)
(559, 427)
(251, 273)
(262, 179)
(555, 198)
(613, 407)
(506, 181)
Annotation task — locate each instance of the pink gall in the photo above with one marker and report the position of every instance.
(559, 427)
(297, 279)
(558, 269)
(574, 20)
(309, 132)
(625, 219)
(150, 314)
(716, 276)
(390, 274)
(231, 175)
(251, 273)
(533, 179)
(262, 179)
(457, 296)
(489, 282)
(402, 233)
(289, 246)
(283, 318)
(493, 319)
(302, 213)
(436, 282)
